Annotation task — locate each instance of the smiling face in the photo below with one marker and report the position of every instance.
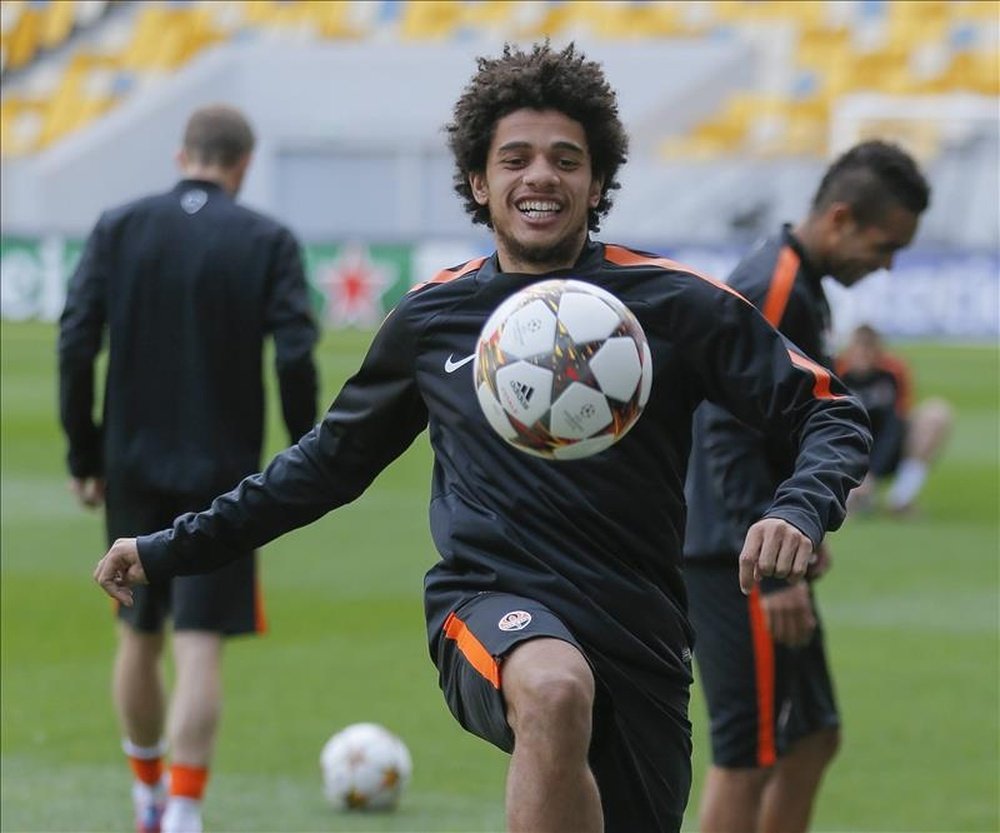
(539, 188)
(856, 250)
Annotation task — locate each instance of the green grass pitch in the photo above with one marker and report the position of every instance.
(911, 610)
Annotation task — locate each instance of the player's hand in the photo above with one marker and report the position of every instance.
(789, 614)
(88, 490)
(821, 563)
(120, 570)
(773, 547)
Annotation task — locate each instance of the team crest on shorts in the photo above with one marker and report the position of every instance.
(516, 620)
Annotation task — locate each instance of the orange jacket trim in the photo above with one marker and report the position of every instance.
(780, 289)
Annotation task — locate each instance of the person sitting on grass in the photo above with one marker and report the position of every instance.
(907, 439)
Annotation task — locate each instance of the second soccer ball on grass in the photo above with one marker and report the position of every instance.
(365, 767)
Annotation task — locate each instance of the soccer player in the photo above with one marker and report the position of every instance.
(556, 614)
(186, 285)
(906, 439)
(774, 720)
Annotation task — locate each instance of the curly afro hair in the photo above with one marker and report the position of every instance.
(543, 79)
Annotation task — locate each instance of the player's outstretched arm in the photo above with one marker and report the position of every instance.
(120, 570)
(774, 547)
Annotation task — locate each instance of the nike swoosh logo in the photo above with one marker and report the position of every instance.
(450, 366)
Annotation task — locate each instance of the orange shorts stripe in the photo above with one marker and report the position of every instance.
(763, 655)
(259, 615)
(472, 649)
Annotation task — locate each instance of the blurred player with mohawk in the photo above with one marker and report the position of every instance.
(774, 720)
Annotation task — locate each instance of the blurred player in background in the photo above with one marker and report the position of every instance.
(906, 439)
(556, 615)
(762, 662)
(186, 285)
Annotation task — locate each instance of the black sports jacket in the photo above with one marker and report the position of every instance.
(597, 540)
(735, 467)
(187, 285)
(885, 391)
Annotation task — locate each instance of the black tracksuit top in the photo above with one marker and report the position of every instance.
(186, 284)
(735, 466)
(597, 540)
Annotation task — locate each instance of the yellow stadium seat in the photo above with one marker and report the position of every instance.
(429, 19)
(987, 10)
(20, 123)
(58, 19)
(332, 19)
(24, 37)
(495, 15)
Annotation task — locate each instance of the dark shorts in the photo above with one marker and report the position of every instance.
(887, 453)
(640, 750)
(226, 601)
(761, 696)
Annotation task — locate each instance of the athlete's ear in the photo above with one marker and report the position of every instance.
(596, 189)
(480, 191)
(841, 216)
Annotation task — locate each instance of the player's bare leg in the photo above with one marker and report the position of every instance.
(731, 799)
(549, 689)
(138, 691)
(197, 698)
(930, 425)
(192, 727)
(137, 685)
(791, 791)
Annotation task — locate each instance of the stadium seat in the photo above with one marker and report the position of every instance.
(24, 37)
(429, 19)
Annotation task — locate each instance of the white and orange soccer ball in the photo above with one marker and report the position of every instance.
(365, 767)
(562, 369)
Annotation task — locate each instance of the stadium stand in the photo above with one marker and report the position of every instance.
(737, 103)
(832, 49)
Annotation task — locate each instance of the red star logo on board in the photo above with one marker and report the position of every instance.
(354, 285)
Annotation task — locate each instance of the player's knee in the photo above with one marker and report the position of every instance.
(938, 414)
(554, 699)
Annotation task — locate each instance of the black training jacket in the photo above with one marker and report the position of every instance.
(186, 285)
(597, 540)
(735, 467)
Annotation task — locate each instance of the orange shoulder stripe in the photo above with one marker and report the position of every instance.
(472, 649)
(821, 386)
(446, 275)
(782, 280)
(621, 256)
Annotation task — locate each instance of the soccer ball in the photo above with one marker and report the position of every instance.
(562, 369)
(365, 767)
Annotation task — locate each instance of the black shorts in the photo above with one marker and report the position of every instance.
(226, 601)
(887, 452)
(761, 696)
(640, 749)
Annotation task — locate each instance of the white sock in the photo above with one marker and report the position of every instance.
(183, 815)
(909, 480)
(144, 753)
